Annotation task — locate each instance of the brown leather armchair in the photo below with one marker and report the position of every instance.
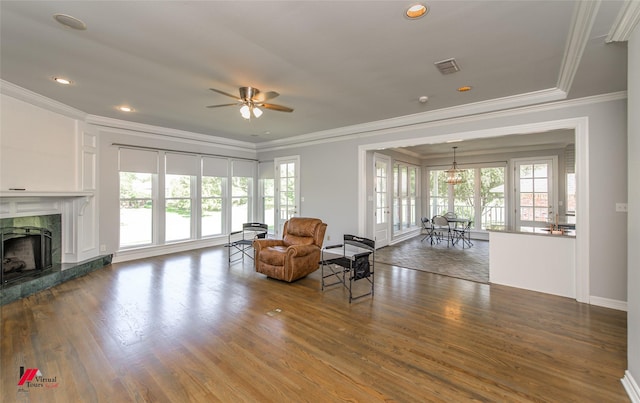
(294, 256)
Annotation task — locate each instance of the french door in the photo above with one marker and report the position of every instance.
(535, 197)
(382, 198)
(287, 190)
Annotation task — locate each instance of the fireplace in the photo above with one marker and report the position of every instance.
(25, 251)
(28, 246)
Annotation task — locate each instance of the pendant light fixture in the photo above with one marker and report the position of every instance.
(454, 174)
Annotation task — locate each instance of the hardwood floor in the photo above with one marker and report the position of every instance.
(186, 327)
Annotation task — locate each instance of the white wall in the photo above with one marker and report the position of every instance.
(38, 148)
(633, 282)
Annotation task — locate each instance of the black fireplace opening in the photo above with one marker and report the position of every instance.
(26, 251)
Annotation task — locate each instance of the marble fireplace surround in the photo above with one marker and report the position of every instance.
(62, 213)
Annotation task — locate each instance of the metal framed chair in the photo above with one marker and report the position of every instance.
(462, 233)
(442, 229)
(241, 242)
(427, 230)
(356, 263)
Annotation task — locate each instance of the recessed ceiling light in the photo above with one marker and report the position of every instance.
(69, 21)
(423, 99)
(125, 108)
(416, 11)
(61, 80)
(464, 88)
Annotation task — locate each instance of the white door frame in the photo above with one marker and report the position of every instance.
(581, 127)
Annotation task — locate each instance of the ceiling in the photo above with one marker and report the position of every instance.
(337, 63)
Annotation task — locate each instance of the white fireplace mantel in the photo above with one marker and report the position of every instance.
(54, 194)
(79, 237)
(18, 203)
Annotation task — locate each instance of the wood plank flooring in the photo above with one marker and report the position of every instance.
(189, 328)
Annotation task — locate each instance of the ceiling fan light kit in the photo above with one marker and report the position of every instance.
(251, 100)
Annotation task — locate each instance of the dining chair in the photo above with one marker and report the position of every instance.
(442, 228)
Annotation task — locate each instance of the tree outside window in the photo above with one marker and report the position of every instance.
(136, 209)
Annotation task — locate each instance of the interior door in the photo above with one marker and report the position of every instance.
(287, 190)
(381, 208)
(535, 196)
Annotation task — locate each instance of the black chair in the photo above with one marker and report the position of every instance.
(356, 263)
(462, 233)
(442, 229)
(427, 230)
(241, 242)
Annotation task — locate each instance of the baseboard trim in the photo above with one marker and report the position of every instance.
(608, 303)
(631, 387)
(147, 252)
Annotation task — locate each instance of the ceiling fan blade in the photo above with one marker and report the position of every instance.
(275, 107)
(217, 106)
(225, 93)
(263, 96)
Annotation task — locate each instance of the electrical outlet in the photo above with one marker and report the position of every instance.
(103, 248)
(621, 208)
(328, 237)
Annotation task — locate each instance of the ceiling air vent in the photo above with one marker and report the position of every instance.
(447, 66)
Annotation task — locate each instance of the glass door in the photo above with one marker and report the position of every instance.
(381, 207)
(287, 190)
(535, 206)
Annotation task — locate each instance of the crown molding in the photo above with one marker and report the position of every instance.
(445, 114)
(35, 99)
(583, 18)
(625, 23)
(171, 134)
(427, 124)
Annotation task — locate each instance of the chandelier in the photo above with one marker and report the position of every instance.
(454, 174)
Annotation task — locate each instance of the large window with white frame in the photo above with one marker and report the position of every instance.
(241, 193)
(480, 197)
(138, 178)
(173, 197)
(181, 172)
(213, 196)
(405, 196)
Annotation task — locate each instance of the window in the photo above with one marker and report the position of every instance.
(483, 186)
(212, 205)
(138, 174)
(268, 203)
(571, 194)
(136, 209)
(405, 197)
(177, 207)
(240, 198)
(492, 202)
(213, 196)
(241, 193)
(171, 196)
